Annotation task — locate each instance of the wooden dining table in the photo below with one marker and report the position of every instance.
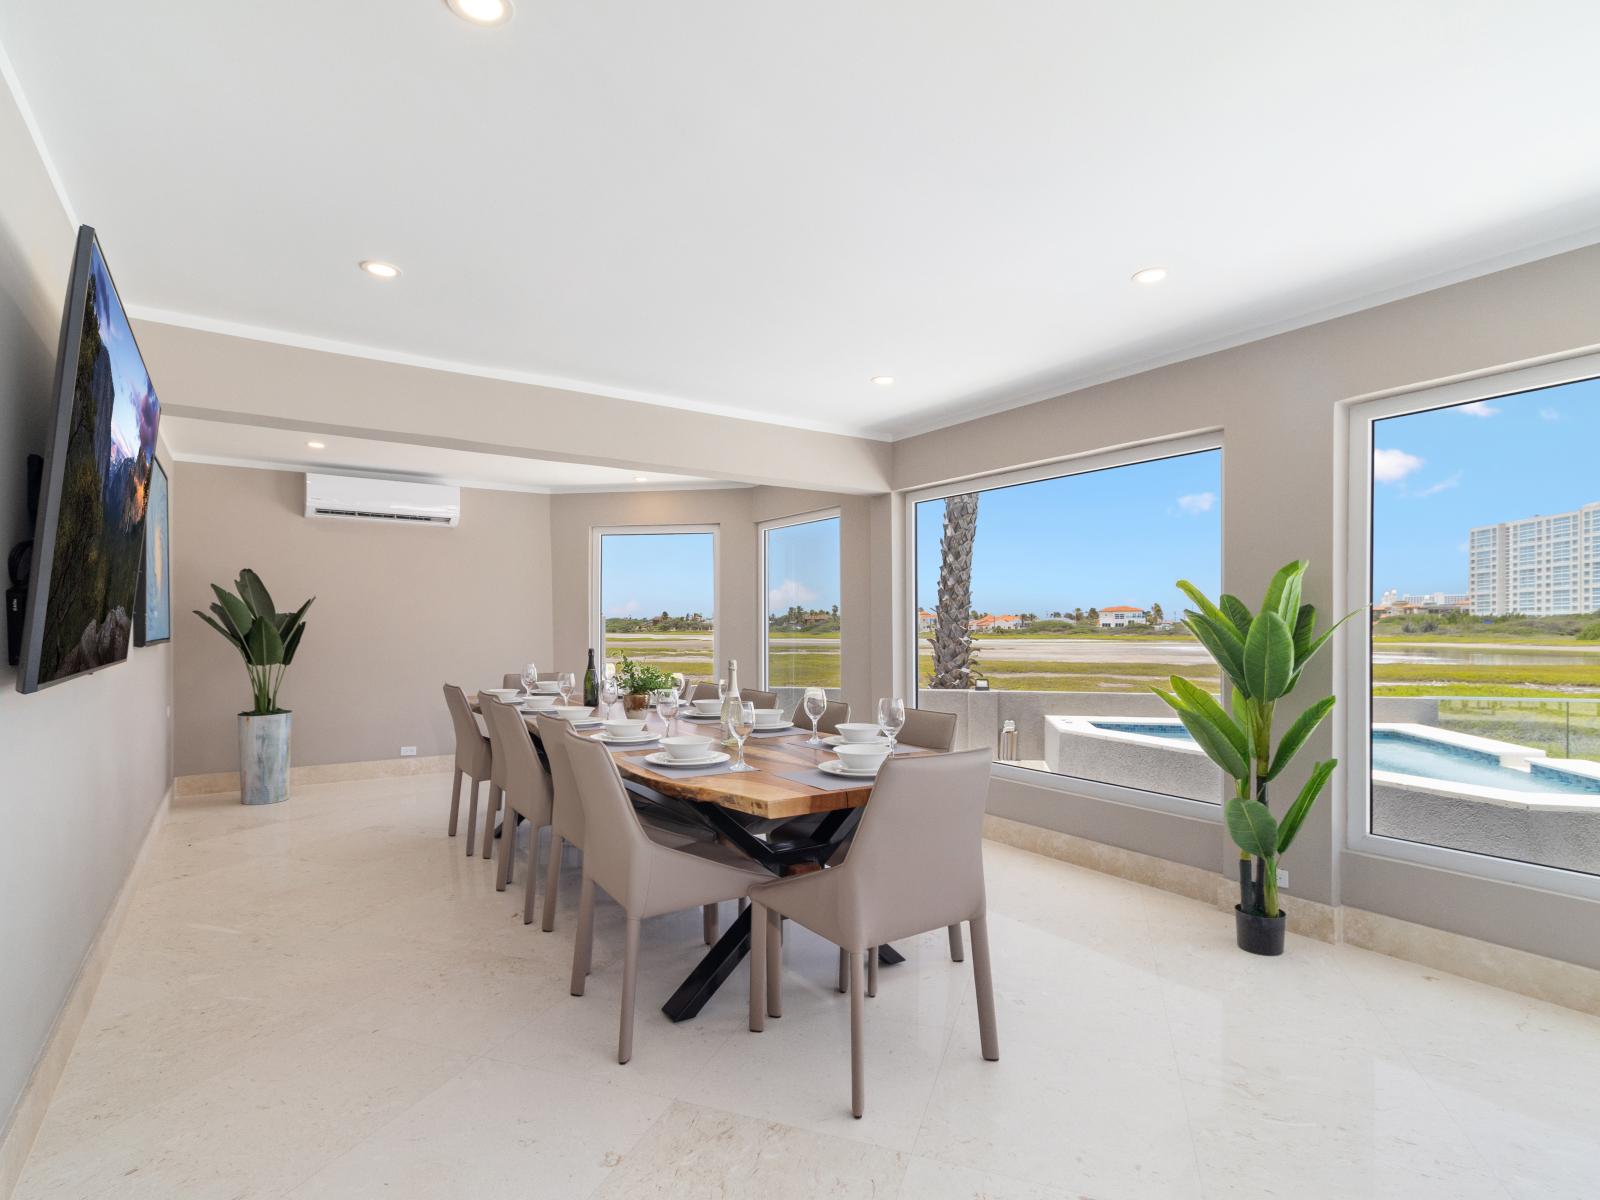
(743, 808)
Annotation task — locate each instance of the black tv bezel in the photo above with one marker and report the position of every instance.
(45, 528)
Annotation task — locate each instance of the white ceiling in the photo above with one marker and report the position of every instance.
(229, 444)
(754, 207)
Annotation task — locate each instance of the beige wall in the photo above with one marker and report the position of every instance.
(399, 612)
(86, 762)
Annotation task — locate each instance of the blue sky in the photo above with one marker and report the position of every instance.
(1117, 536)
(643, 574)
(803, 566)
(1438, 474)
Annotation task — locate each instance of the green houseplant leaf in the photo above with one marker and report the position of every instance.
(255, 594)
(1222, 643)
(236, 611)
(1283, 592)
(1268, 657)
(1295, 737)
(1303, 802)
(1222, 743)
(265, 638)
(1203, 603)
(1251, 826)
(1238, 612)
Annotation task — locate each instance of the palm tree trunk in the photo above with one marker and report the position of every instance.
(952, 643)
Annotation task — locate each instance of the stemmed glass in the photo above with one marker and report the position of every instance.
(609, 692)
(530, 676)
(565, 683)
(667, 708)
(816, 703)
(891, 718)
(743, 723)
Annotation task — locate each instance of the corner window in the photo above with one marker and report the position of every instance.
(800, 602)
(655, 594)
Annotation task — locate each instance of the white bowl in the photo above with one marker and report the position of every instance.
(706, 708)
(687, 746)
(624, 729)
(571, 712)
(539, 703)
(771, 716)
(502, 694)
(859, 731)
(862, 757)
(548, 686)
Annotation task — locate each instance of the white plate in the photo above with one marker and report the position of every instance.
(774, 728)
(833, 739)
(691, 716)
(662, 759)
(603, 736)
(834, 767)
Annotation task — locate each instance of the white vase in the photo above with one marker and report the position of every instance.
(264, 758)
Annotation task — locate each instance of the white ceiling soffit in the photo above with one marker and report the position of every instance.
(225, 443)
(756, 208)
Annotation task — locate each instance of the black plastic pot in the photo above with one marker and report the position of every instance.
(1257, 934)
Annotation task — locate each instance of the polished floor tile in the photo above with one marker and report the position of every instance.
(328, 998)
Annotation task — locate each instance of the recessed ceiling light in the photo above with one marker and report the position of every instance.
(640, 479)
(481, 12)
(380, 269)
(883, 380)
(1150, 275)
(316, 445)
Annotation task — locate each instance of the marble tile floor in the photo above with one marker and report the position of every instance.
(328, 999)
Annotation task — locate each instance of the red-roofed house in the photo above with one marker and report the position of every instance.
(991, 623)
(1118, 615)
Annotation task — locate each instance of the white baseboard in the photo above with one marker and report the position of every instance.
(22, 1127)
(383, 768)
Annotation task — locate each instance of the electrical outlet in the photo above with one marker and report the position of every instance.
(1283, 877)
(411, 752)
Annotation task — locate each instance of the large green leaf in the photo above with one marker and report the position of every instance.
(1268, 657)
(1217, 744)
(1313, 646)
(1221, 642)
(1283, 592)
(1296, 735)
(232, 640)
(1305, 626)
(255, 594)
(264, 644)
(1244, 717)
(1237, 612)
(1204, 605)
(1198, 700)
(1303, 802)
(237, 612)
(292, 644)
(1251, 826)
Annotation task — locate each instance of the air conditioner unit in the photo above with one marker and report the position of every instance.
(350, 498)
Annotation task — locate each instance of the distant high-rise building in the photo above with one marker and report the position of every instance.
(1539, 566)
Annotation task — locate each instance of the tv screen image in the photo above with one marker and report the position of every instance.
(90, 538)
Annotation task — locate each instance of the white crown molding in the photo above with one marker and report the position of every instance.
(304, 341)
(18, 97)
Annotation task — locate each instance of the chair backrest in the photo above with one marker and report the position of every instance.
(517, 768)
(759, 698)
(568, 819)
(832, 717)
(701, 691)
(616, 850)
(929, 729)
(916, 861)
(472, 748)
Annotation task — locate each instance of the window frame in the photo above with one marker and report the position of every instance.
(762, 529)
(1085, 463)
(1353, 642)
(597, 622)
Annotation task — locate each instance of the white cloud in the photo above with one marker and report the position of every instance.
(1391, 466)
(1197, 502)
(1444, 485)
(1480, 408)
(1549, 414)
(790, 592)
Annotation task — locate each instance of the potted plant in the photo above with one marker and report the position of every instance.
(1262, 656)
(636, 681)
(267, 640)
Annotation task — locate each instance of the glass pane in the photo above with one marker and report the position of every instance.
(1071, 613)
(1486, 627)
(802, 589)
(658, 596)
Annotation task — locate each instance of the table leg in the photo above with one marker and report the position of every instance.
(710, 972)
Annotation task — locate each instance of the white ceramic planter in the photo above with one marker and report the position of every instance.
(264, 758)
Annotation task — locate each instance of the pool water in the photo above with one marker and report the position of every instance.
(1407, 754)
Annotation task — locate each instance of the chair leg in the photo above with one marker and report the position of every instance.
(758, 968)
(508, 847)
(533, 873)
(709, 923)
(583, 946)
(455, 802)
(552, 874)
(472, 816)
(489, 815)
(844, 970)
(630, 981)
(857, 1065)
(774, 962)
(872, 970)
(988, 1032)
(956, 953)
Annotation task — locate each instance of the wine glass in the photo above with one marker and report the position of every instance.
(891, 718)
(530, 676)
(565, 683)
(816, 703)
(609, 691)
(743, 723)
(667, 708)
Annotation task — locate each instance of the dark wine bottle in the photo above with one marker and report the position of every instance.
(591, 683)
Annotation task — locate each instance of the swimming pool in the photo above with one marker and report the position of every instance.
(1412, 754)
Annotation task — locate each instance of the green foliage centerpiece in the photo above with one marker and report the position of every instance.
(637, 680)
(1263, 656)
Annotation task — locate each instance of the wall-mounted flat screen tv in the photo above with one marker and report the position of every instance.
(90, 531)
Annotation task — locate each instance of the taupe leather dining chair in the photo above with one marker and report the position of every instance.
(473, 758)
(646, 878)
(514, 678)
(931, 731)
(526, 788)
(708, 691)
(916, 863)
(832, 717)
